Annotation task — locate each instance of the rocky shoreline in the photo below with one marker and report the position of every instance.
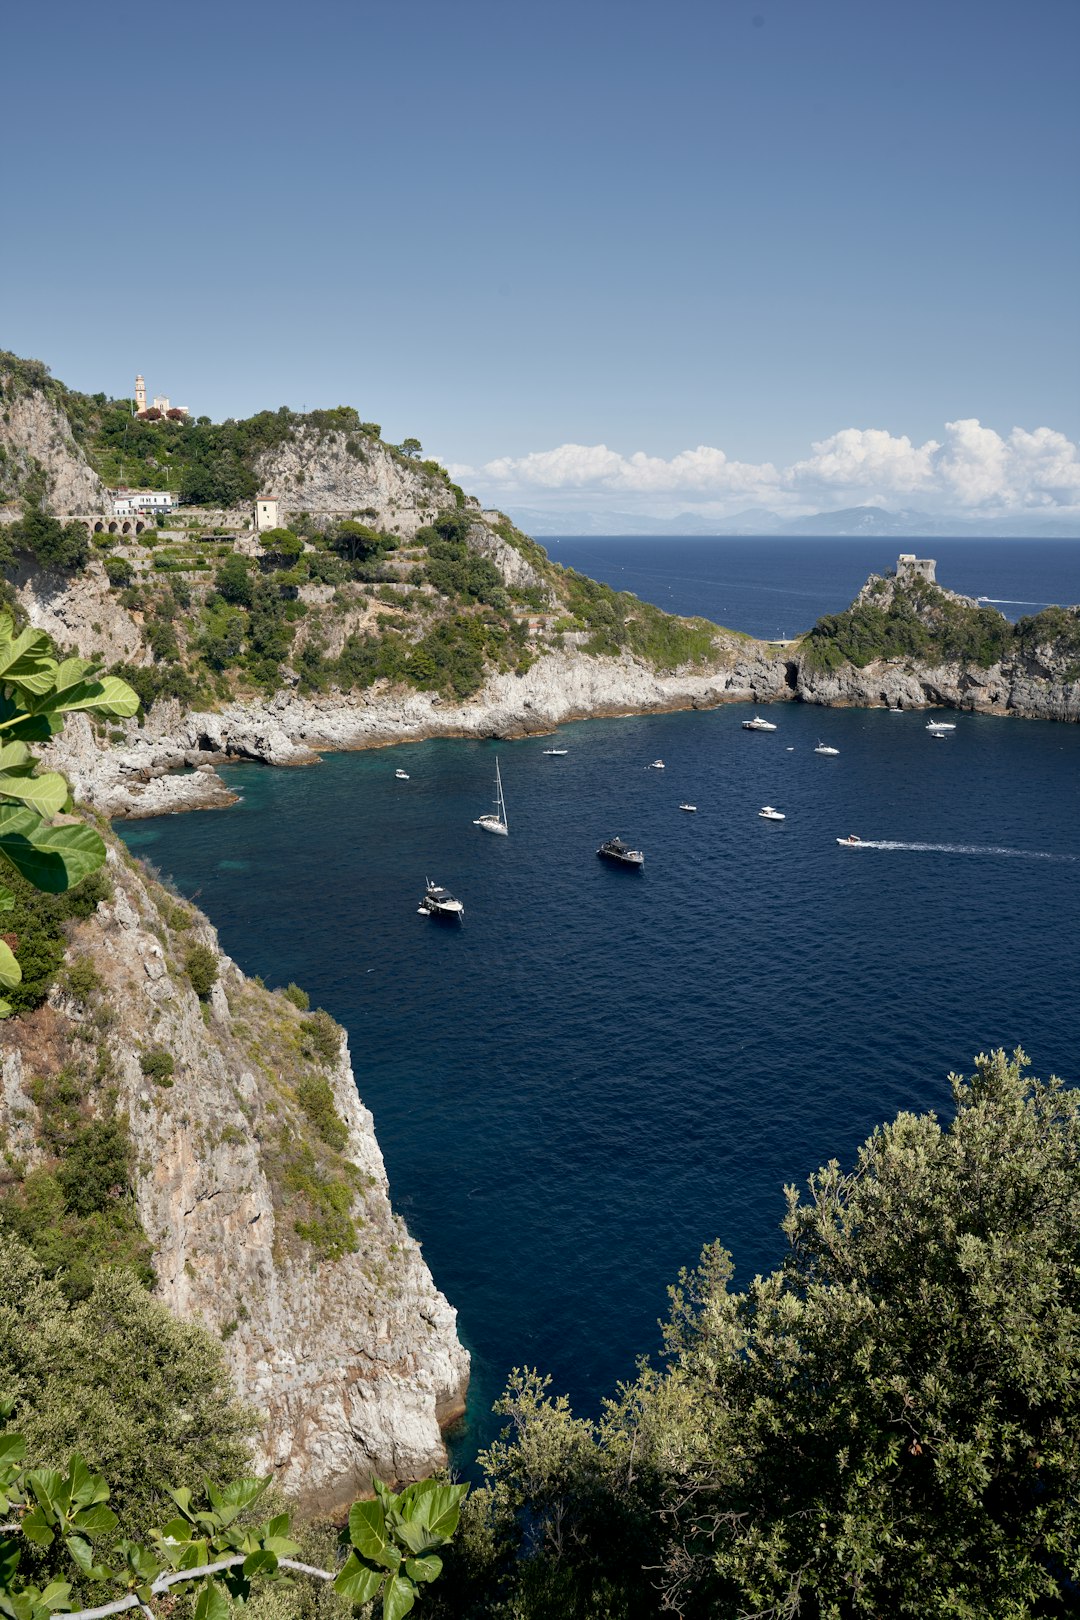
(168, 763)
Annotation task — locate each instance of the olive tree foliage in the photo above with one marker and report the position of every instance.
(889, 1424)
(36, 691)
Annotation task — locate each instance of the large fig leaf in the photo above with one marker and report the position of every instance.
(47, 794)
(10, 971)
(399, 1595)
(358, 1582)
(72, 689)
(367, 1532)
(51, 858)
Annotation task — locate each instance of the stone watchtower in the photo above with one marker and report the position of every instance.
(908, 567)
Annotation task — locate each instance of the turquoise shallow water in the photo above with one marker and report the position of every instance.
(604, 1070)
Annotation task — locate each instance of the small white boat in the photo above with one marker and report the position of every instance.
(758, 724)
(690, 807)
(823, 748)
(551, 751)
(940, 727)
(791, 748)
(402, 776)
(495, 822)
(767, 813)
(851, 839)
(657, 765)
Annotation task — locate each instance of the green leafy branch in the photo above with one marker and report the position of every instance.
(36, 691)
(393, 1543)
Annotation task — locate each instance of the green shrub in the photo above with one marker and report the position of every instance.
(316, 1098)
(201, 967)
(82, 980)
(145, 1397)
(96, 1170)
(158, 1065)
(323, 1035)
(120, 572)
(37, 921)
(298, 997)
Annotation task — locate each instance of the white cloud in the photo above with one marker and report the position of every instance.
(972, 468)
(860, 458)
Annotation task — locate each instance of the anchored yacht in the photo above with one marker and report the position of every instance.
(758, 724)
(495, 822)
(439, 902)
(613, 849)
(767, 813)
(823, 748)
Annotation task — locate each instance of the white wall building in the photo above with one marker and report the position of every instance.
(128, 501)
(266, 512)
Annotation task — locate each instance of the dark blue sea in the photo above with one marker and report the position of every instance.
(603, 1069)
(778, 586)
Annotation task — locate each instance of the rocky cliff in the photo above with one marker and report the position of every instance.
(262, 1189)
(341, 474)
(39, 458)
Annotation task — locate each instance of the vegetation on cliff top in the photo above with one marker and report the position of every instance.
(913, 619)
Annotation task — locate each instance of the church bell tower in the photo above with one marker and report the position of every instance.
(140, 394)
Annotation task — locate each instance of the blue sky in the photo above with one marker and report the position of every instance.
(509, 229)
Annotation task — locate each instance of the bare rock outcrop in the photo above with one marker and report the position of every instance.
(336, 1333)
(38, 440)
(340, 474)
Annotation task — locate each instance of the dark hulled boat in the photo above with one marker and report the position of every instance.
(613, 849)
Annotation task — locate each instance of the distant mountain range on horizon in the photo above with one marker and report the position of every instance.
(854, 521)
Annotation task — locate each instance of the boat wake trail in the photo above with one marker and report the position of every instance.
(968, 849)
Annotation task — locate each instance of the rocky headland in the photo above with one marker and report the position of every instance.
(260, 1186)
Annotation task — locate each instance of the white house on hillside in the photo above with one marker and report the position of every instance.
(128, 501)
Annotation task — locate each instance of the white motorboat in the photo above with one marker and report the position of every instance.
(758, 724)
(550, 751)
(657, 765)
(691, 807)
(438, 902)
(940, 727)
(402, 776)
(767, 813)
(851, 839)
(823, 748)
(495, 823)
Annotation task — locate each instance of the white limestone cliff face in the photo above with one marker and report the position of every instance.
(81, 613)
(352, 1364)
(338, 474)
(37, 435)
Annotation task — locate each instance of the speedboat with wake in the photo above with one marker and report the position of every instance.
(613, 849)
(851, 840)
(439, 902)
(940, 727)
(758, 724)
(767, 813)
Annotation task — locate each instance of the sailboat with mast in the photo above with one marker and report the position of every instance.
(495, 823)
